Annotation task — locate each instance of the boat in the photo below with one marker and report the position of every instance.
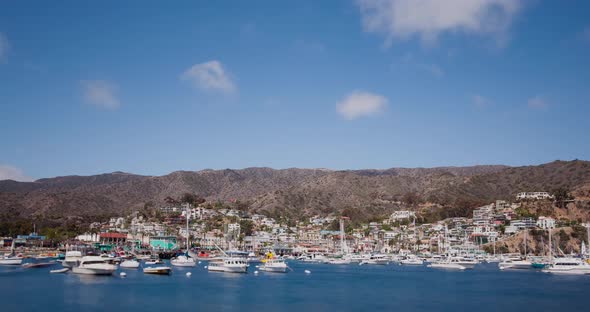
(183, 261)
(129, 264)
(12, 258)
(159, 270)
(411, 260)
(273, 265)
(568, 265)
(229, 265)
(467, 262)
(153, 260)
(376, 259)
(449, 264)
(72, 258)
(37, 265)
(94, 265)
(338, 261)
(64, 270)
(520, 264)
(314, 257)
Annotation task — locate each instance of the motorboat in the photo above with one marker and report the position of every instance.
(357, 258)
(568, 265)
(38, 265)
(183, 261)
(229, 265)
(315, 257)
(94, 265)
(153, 260)
(376, 259)
(129, 264)
(411, 260)
(521, 264)
(72, 258)
(11, 259)
(159, 270)
(274, 265)
(449, 264)
(338, 261)
(467, 262)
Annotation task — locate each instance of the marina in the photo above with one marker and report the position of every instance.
(325, 288)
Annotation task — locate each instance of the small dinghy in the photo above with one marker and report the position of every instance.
(64, 270)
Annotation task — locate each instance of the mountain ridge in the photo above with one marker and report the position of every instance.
(291, 192)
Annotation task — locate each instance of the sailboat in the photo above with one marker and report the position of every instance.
(12, 258)
(184, 260)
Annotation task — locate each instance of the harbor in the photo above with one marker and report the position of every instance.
(326, 287)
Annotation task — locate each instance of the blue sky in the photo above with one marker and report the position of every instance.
(149, 88)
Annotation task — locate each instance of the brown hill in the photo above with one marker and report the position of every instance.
(293, 192)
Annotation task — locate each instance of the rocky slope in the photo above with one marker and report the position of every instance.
(293, 192)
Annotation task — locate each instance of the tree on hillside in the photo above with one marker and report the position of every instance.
(562, 195)
(193, 199)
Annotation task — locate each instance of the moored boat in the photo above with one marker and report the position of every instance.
(158, 270)
(94, 265)
(274, 265)
(228, 265)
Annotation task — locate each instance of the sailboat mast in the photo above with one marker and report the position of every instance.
(187, 233)
(525, 241)
(550, 247)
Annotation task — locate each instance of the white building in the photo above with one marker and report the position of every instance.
(533, 195)
(402, 214)
(546, 223)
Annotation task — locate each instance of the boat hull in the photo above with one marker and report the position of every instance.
(158, 271)
(18, 261)
(93, 271)
(226, 269)
(447, 266)
(273, 269)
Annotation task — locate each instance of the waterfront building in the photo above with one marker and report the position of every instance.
(163, 242)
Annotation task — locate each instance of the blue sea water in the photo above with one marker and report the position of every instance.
(327, 288)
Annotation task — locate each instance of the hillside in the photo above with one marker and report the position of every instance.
(293, 192)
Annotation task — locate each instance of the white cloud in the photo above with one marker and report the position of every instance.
(209, 76)
(101, 93)
(361, 104)
(427, 19)
(537, 102)
(13, 173)
(480, 101)
(4, 47)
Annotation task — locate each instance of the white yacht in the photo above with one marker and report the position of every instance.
(356, 258)
(274, 265)
(315, 257)
(338, 261)
(518, 264)
(72, 258)
(376, 259)
(450, 263)
(183, 261)
(411, 260)
(129, 264)
(467, 262)
(153, 260)
(11, 260)
(229, 265)
(94, 265)
(159, 270)
(568, 265)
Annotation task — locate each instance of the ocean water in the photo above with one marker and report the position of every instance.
(327, 288)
